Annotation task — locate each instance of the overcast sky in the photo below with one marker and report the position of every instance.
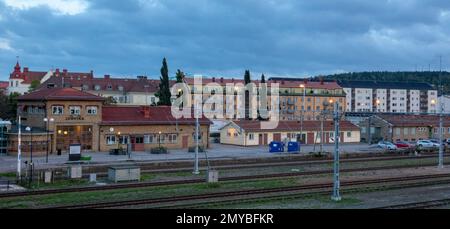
(224, 37)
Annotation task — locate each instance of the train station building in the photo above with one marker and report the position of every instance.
(59, 117)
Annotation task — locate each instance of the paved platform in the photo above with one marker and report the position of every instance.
(216, 151)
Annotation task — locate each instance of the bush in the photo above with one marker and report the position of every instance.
(201, 149)
(159, 150)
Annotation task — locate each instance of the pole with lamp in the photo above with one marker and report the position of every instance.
(47, 121)
(441, 146)
(29, 129)
(118, 141)
(159, 140)
(303, 113)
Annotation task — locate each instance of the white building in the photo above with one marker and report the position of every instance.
(445, 101)
(395, 97)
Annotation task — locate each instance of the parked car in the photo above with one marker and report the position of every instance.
(448, 141)
(403, 144)
(387, 145)
(426, 144)
(435, 142)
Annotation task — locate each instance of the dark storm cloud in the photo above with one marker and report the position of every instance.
(278, 37)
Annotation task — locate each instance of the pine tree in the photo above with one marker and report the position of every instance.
(263, 78)
(179, 75)
(247, 79)
(164, 94)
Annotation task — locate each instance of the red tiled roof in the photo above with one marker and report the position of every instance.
(59, 94)
(414, 120)
(134, 115)
(255, 126)
(89, 84)
(28, 76)
(4, 84)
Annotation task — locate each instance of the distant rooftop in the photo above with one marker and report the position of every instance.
(384, 85)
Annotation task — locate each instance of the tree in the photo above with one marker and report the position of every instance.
(247, 79)
(34, 85)
(163, 93)
(180, 76)
(110, 100)
(263, 78)
(9, 103)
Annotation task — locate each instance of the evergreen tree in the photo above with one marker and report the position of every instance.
(164, 94)
(179, 75)
(34, 85)
(263, 78)
(247, 79)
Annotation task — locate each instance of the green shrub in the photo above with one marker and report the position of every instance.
(201, 149)
(159, 150)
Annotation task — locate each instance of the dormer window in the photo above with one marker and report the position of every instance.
(97, 87)
(120, 88)
(85, 87)
(109, 87)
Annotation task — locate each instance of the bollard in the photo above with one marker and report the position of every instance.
(74, 172)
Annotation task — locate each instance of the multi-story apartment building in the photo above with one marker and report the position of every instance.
(20, 79)
(389, 97)
(297, 97)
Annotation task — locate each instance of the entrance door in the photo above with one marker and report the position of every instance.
(266, 139)
(277, 137)
(310, 138)
(260, 142)
(185, 141)
(137, 143)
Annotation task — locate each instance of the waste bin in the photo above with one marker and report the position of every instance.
(293, 147)
(276, 147)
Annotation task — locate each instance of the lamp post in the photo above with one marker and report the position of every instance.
(29, 129)
(441, 130)
(48, 120)
(118, 141)
(159, 140)
(303, 113)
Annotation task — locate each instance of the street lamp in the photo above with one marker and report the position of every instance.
(118, 140)
(433, 102)
(47, 120)
(29, 129)
(303, 112)
(159, 140)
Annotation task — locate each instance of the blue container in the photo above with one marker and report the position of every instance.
(293, 147)
(276, 147)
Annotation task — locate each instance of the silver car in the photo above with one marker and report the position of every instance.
(387, 145)
(426, 144)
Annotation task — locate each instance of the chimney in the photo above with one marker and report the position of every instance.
(65, 72)
(221, 79)
(305, 81)
(282, 82)
(232, 80)
(321, 80)
(214, 79)
(107, 76)
(25, 70)
(57, 72)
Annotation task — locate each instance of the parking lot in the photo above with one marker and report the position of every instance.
(216, 151)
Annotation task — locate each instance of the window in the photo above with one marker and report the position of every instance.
(397, 131)
(251, 136)
(75, 110)
(17, 83)
(363, 130)
(57, 110)
(97, 87)
(449, 130)
(91, 110)
(149, 139)
(372, 130)
(349, 134)
(405, 131)
(85, 87)
(123, 139)
(413, 131)
(110, 140)
(172, 138)
(12, 83)
(120, 88)
(235, 134)
(229, 134)
(139, 140)
(109, 87)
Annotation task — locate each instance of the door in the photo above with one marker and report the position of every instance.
(185, 141)
(310, 138)
(341, 139)
(260, 141)
(327, 138)
(277, 137)
(266, 139)
(137, 143)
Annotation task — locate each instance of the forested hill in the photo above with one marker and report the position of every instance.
(425, 77)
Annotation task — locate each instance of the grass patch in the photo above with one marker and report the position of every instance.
(9, 175)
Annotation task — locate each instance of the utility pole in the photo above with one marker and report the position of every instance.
(196, 144)
(19, 150)
(336, 183)
(441, 146)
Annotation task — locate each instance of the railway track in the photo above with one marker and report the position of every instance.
(309, 188)
(193, 181)
(246, 165)
(419, 205)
